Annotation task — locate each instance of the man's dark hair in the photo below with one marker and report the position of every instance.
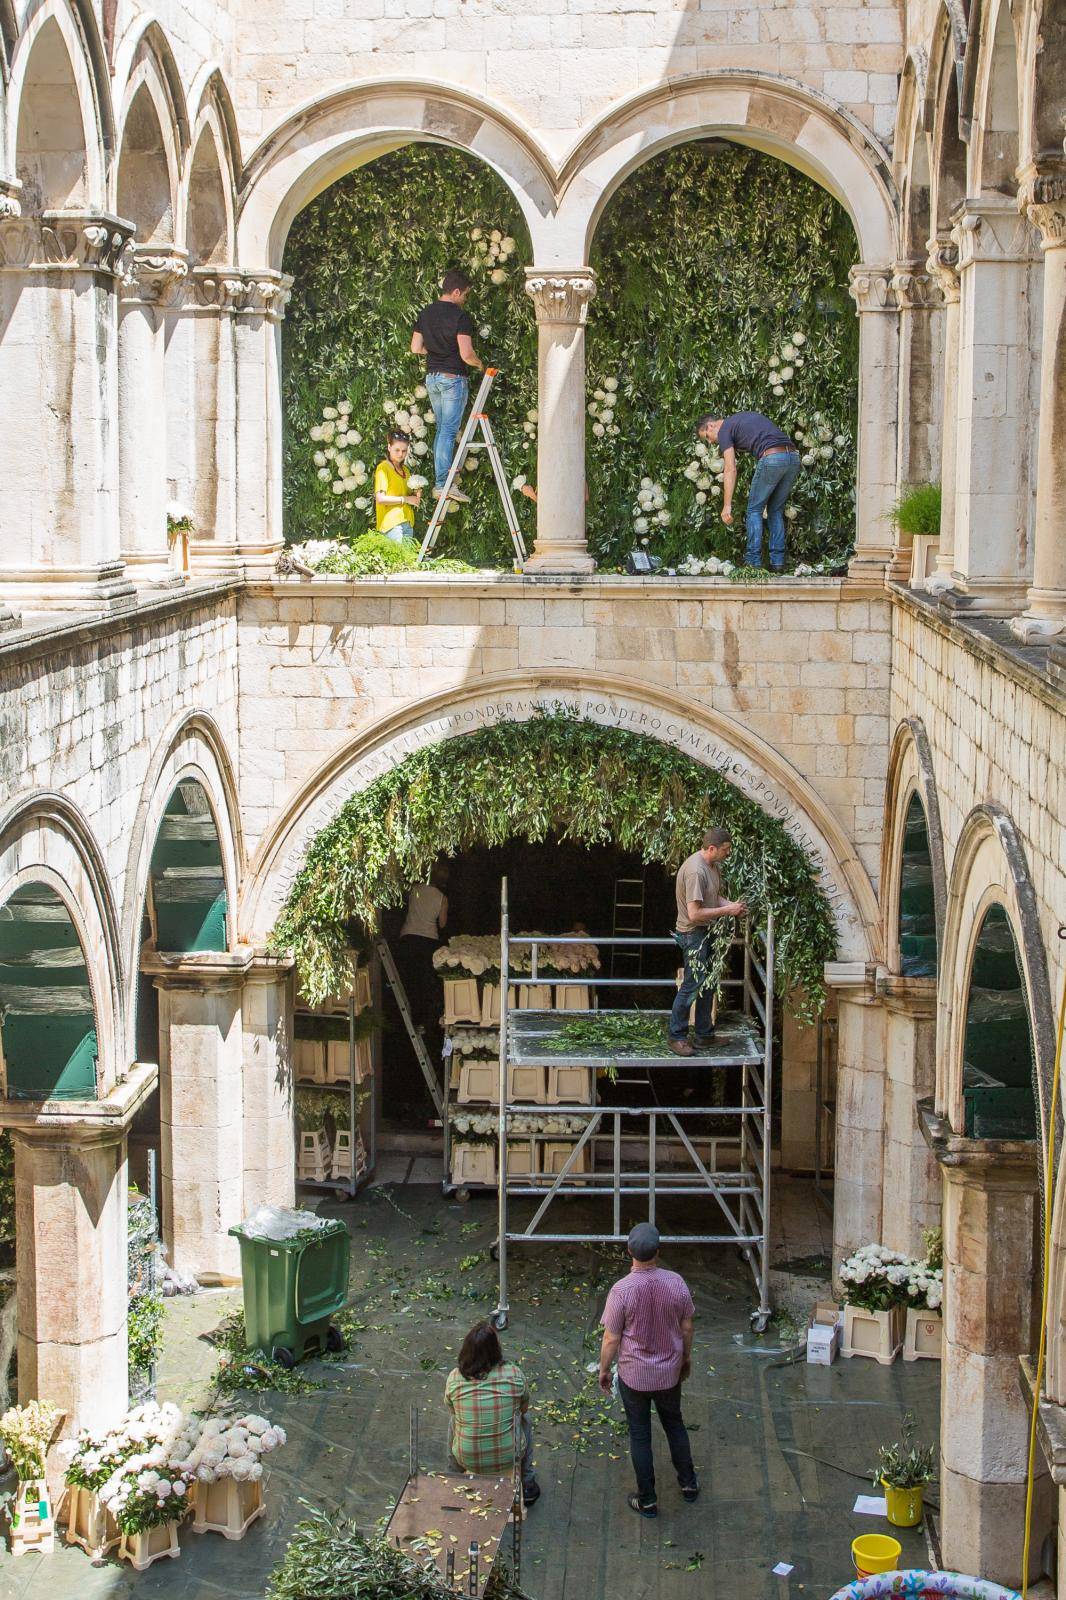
(714, 838)
(708, 416)
(481, 1351)
(452, 280)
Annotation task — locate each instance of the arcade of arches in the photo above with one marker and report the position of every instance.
(180, 717)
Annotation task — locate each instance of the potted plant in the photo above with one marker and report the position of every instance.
(903, 1469)
(26, 1432)
(226, 1461)
(925, 1294)
(874, 1282)
(147, 1495)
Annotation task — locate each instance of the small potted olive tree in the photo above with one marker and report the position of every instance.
(903, 1469)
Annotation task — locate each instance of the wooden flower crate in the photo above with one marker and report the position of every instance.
(479, 1081)
(361, 988)
(364, 1060)
(534, 997)
(523, 1157)
(341, 1163)
(556, 1153)
(90, 1524)
(309, 1060)
(338, 1061)
(490, 1005)
(473, 1163)
(923, 1336)
(228, 1507)
(878, 1334)
(569, 1086)
(314, 1158)
(33, 1525)
(574, 997)
(527, 1085)
(462, 1002)
(141, 1550)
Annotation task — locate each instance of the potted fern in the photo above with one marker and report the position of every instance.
(903, 1469)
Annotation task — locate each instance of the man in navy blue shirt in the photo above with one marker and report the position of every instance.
(777, 465)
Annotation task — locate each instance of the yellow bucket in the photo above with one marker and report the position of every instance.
(904, 1505)
(875, 1552)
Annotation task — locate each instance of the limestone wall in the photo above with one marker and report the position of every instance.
(86, 712)
(806, 670)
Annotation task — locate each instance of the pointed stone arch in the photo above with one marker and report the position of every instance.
(153, 135)
(947, 151)
(910, 775)
(991, 99)
(59, 143)
(208, 201)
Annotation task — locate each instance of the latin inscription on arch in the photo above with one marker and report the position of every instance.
(609, 711)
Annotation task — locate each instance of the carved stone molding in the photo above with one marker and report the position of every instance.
(1042, 196)
(992, 230)
(942, 263)
(66, 241)
(912, 287)
(216, 288)
(154, 276)
(869, 288)
(263, 293)
(561, 297)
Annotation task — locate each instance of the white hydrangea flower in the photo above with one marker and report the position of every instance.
(497, 275)
(598, 429)
(329, 412)
(701, 498)
(344, 406)
(826, 452)
(338, 486)
(508, 245)
(640, 524)
(316, 433)
(610, 383)
(421, 392)
(799, 338)
(779, 388)
(786, 374)
(519, 482)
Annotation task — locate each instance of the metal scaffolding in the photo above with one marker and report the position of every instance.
(731, 1171)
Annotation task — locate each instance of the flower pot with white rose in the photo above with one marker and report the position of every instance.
(925, 1294)
(148, 1497)
(874, 1280)
(227, 1463)
(26, 1432)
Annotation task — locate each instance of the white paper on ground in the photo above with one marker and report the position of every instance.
(871, 1505)
(782, 1569)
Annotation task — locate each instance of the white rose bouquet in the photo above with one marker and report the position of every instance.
(146, 1489)
(228, 1447)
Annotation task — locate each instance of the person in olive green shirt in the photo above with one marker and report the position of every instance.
(488, 1398)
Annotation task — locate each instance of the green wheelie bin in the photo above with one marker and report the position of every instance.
(293, 1284)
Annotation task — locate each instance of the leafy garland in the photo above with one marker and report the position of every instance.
(723, 279)
(556, 774)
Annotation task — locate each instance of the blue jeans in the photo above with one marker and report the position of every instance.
(692, 945)
(448, 395)
(770, 488)
(667, 1402)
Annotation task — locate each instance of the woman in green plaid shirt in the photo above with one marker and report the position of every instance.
(489, 1401)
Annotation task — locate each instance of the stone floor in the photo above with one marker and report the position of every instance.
(783, 1447)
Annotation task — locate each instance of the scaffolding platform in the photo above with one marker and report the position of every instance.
(535, 1035)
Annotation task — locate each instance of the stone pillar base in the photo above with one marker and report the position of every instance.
(105, 588)
(560, 558)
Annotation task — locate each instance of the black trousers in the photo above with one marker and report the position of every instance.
(667, 1402)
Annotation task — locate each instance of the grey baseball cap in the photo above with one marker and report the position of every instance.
(643, 1242)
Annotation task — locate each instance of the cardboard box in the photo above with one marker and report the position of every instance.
(825, 1331)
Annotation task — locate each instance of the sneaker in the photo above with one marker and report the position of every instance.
(530, 1492)
(643, 1508)
(691, 1491)
(681, 1047)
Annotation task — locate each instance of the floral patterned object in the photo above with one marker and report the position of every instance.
(913, 1585)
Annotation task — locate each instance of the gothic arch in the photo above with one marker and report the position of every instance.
(153, 134)
(334, 133)
(989, 869)
(1042, 51)
(947, 151)
(208, 200)
(911, 163)
(44, 839)
(77, 174)
(708, 737)
(796, 124)
(910, 773)
(991, 99)
(193, 748)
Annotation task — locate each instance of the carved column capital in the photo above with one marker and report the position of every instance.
(562, 296)
(9, 201)
(1042, 196)
(991, 229)
(65, 241)
(913, 287)
(942, 264)
(155, 276)
(263, 293)
(869, 288)
(216, 288)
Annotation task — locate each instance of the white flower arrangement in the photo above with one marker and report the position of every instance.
(704, 567)
(473, 955)
(484, 1125)
(649, 508)
(878, 1278)
(492, 250)
(476, 1042)
(146, 1488)
(25, 1432)
(230, 1448)
(602, 408)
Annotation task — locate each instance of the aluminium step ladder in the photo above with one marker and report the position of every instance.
(478, 419)
(414, 1033)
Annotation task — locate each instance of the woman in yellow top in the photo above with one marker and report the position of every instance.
(393, 496)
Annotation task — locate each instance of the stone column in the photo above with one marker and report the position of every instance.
(919, 402)
(995, 412)
(208, 317)
(991, 1316)
(562, 301)
(1045, 614)
(875, 489)
(258, 310)
(70, 1218)
(58, 398)
(858, 1167)
(912, 1199)
(943, 262)
(201, 1108)
(153, 286)
(269, 1147)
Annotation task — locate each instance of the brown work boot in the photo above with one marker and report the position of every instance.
(681, 1047)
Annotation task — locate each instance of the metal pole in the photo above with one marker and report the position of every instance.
(651, 1169)
(768, 1086)
(501, 1166)
(356, 1132)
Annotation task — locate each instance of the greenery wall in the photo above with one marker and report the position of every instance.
(554, 775)
(723, 277)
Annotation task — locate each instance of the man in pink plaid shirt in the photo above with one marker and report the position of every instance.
(647, 1323)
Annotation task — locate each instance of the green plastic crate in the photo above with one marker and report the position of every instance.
(292, 1287)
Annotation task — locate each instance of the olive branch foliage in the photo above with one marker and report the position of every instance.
(556, 775)
(709, 257)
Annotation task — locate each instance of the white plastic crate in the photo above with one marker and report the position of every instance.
(462, 1002)
(473, 1163)
(479, 1081)
(569, 1086)
(527, 1085)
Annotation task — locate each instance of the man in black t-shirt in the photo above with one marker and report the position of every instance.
(777, 468)
(444, 334)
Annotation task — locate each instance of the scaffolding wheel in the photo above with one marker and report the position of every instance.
(499, 1320)
(462, 1195)
(760, 1321)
